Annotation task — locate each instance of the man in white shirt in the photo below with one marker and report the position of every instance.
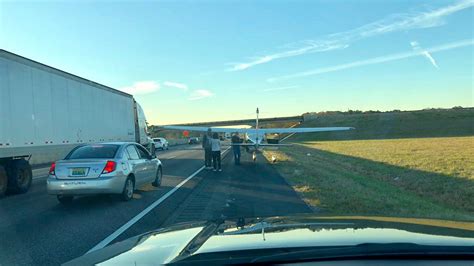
(216, 152)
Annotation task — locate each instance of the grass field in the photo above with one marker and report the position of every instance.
(387, 172)
(414, 124)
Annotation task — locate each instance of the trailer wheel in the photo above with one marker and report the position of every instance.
(19, 176)
(3, 181)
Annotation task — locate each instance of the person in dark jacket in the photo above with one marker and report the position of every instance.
(207, 146)
(236, 147)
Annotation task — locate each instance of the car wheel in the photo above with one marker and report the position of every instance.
(3, 181)
(158, 178)
(128, 188)
(65, 199)
(19, 176)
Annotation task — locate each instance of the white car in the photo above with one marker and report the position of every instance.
(161, 143)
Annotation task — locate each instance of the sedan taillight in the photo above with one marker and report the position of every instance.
(109, 167)
(52, 169)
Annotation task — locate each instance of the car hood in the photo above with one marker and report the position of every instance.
(170, 244)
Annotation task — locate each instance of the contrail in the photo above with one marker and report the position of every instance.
(375, 60)
(341, 40)
(416, 47)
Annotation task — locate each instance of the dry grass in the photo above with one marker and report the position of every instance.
(448, 156)
(422, 177)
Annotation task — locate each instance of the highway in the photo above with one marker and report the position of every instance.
(36, 230)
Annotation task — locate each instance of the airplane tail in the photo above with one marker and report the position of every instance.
(256, 122)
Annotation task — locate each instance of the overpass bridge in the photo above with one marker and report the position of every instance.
(298, 118)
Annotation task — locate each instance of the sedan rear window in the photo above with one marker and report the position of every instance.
(94, 151)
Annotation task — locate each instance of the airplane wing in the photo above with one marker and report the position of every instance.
(214, 129)
(243, 144)
(301, 129)
(260, 130)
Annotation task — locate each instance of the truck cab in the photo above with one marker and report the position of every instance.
(141, 129)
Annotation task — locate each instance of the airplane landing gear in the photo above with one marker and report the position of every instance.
(273, 158)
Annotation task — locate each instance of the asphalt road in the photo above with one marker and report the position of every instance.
(36, 230)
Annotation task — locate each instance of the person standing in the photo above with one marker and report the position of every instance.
(207, 146)
(236, 148)
(216, 152)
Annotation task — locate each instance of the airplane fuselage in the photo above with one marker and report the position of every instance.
(255, 138)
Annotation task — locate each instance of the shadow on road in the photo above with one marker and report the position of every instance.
(241, 191)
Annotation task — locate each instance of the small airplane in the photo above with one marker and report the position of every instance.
(255, 137)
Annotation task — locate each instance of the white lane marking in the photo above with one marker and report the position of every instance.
(167, 158)
(135, 219)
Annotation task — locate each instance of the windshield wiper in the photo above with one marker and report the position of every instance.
(270, 227)
(199, 240)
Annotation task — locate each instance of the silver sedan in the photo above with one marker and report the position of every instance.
(106, 168)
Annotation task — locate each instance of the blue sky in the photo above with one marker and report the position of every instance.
(195, 61)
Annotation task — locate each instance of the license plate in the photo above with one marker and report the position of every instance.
(79, 171)
(74, 183)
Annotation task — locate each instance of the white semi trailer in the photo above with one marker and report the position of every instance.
(45, 112)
